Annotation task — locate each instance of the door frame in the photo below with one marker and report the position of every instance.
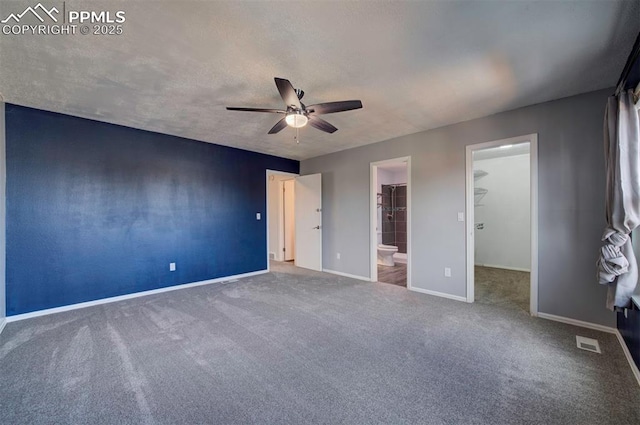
(270, 173)
(373, 217)
(282, 217)
(532, 139)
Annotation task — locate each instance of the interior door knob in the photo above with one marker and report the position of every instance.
(317, 227)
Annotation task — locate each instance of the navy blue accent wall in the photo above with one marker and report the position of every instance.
(97, 210)
(629, 327)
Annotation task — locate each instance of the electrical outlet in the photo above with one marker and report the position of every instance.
(338, 255)
(172, 267)
(447, 272)
(258, 216)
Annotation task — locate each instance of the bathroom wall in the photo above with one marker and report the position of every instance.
(96, 210)
(505, 239)
(384, 177)
(389, 177)
(394, 216)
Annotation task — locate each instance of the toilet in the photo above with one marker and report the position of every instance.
(385, 254)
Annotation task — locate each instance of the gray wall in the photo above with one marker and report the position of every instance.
(3, 180)
(571, 208)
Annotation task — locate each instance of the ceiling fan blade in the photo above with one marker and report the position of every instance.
(272, 111)
(288, 93)
(331, 107)
(279, 126)
(321, 124)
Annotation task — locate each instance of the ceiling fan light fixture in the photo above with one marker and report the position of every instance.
(296, 120)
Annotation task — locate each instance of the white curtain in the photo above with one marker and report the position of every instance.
(617, 266)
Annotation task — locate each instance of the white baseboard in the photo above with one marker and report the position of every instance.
(493, 266)
(352, 276)
(3, 323)
(70, 307)
(627, 354)
(438, 294)
(576, 322)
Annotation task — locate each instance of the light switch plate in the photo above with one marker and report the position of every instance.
(172, 267)
(258, 216)
(461, 216)
(447, 272)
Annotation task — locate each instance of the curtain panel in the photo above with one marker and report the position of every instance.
(617, 265)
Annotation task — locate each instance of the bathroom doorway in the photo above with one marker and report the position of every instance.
(280, 216)
(502, 223)
(390, 237)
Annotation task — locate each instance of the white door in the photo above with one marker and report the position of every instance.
(308, 202)
(289, 219)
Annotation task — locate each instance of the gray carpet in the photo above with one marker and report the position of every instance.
(297, 347)
(504, 288)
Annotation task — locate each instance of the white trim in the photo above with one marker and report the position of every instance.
(493, 266)
(533, 182)
(266, 213)
(279, 255)
(533, 187)
(3, 323)
(109, 300)
(439, 294)
(352, 276)
(576, 322)
(373, 218)
(627, 354)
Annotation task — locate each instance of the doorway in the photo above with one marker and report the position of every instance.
(390, 218)
(280, 216)
(502, 206)
(294, 219)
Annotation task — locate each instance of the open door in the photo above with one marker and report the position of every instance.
(308, 218)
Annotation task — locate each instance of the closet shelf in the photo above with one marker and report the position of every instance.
(478, 174)
(478, 194)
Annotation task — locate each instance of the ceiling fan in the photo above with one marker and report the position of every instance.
(298, 114)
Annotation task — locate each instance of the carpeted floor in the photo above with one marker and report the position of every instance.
(504, 288)
(294, 347)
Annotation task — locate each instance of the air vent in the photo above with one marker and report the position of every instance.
(588, 344)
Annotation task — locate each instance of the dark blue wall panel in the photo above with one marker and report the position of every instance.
(97, 210)
(629, 327)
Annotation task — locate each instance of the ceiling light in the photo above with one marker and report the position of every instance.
(296, 120)
(506, 146)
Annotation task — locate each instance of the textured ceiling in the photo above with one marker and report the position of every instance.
(414, 65)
